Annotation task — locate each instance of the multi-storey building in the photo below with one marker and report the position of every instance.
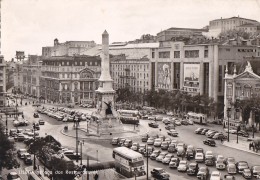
(173, 33)
(31, 73)
(131, 65)
(224, 24)
(251, 28)
(197, 68)
(69, 79)
(69, 48)
(131, 73)
(18, 77)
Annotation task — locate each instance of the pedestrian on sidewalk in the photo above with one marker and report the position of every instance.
(250, 146)
(221, 139)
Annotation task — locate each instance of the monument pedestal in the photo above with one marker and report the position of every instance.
(110, 125)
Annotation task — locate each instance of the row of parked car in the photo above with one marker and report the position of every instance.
(64, 114)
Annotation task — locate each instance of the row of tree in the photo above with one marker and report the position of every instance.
(176, 100)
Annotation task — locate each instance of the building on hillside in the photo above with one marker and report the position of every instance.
(131, 73)
(70, 79)
(69, 48)
(173, 33)
(241, 84)
(251, 28)
(196, 68)
(31, 73)
(217, 26)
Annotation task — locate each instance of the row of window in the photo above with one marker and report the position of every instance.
(76, 63)
(133, 67)
(187, 54)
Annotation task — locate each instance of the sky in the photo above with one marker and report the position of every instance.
(29, 25)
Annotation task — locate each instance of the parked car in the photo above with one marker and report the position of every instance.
(150, 141)
(209, 142)
(161, 156)
(190, 152)
(199, 157)
(231, 168)
(241, 165)
(180, 151)
(255, 170)
(243, 133)
(184, 122)
(159, 173)
(219, 136)
(71, 154)
(148, 151)
(157, 142)
(173, 133)
(153, 124)
(128, 143)
(142, 148)
(170, 126)
(19, 137)
(183, 166)
(167, 158)
(154, 154)
(115, 141)
(220, 162)
(145, 137)
(37, 126)
(164, 145)
(215, 175)
(229, 177)
(230, 160)
(198, 130)
(204, 131)
(174, 163)
(121, 142)
(203, 173)
(193, 169)
(247, 174)
(41, 122)
(135, 146)
(209, 158)
(172, 148)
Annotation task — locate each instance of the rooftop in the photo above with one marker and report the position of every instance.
(234, 17)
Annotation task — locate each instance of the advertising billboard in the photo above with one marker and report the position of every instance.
(191, 77)
(164, 75)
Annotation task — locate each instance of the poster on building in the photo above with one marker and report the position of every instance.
(191, 77)
(164, 75)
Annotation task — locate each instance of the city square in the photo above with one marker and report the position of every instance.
(181, 104)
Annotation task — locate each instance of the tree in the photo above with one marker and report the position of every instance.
(7, 158)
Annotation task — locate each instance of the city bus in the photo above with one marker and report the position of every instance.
(128, 162)
(197, 118)
(131, 113)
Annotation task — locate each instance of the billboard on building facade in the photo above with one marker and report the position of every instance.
(164, 75)
(191, 77)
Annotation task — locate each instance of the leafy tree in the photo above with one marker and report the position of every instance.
(7, 158)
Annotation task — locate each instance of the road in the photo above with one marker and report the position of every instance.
(101, 150)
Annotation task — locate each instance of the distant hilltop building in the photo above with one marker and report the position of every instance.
(69, 48)
(218, 26)
(173, 33)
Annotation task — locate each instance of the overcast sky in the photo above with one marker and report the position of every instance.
(28, 25)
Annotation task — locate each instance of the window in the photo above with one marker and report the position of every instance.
(165, 54)
(192, 54)
(206, 53)
(152, 54)
(176, 54)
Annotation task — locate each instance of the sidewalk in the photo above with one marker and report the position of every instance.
(242, 146)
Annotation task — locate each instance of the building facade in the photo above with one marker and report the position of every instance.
(131, 73)
(2, 82)
(69, 48)
(197, 68)
(241, 86)
(31, 73)
(225, 24)
(250, 28)
(69, 79)
(18, 77)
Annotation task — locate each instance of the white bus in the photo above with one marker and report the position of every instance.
(131, 113)
(197, 117)
(129, 162)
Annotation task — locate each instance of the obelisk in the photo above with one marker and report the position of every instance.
(105, 92)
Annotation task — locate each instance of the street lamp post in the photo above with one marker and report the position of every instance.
(97, 155)
(253, 129)
(81, 143)
(147, 171)
(228, 111)
(76, 126)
